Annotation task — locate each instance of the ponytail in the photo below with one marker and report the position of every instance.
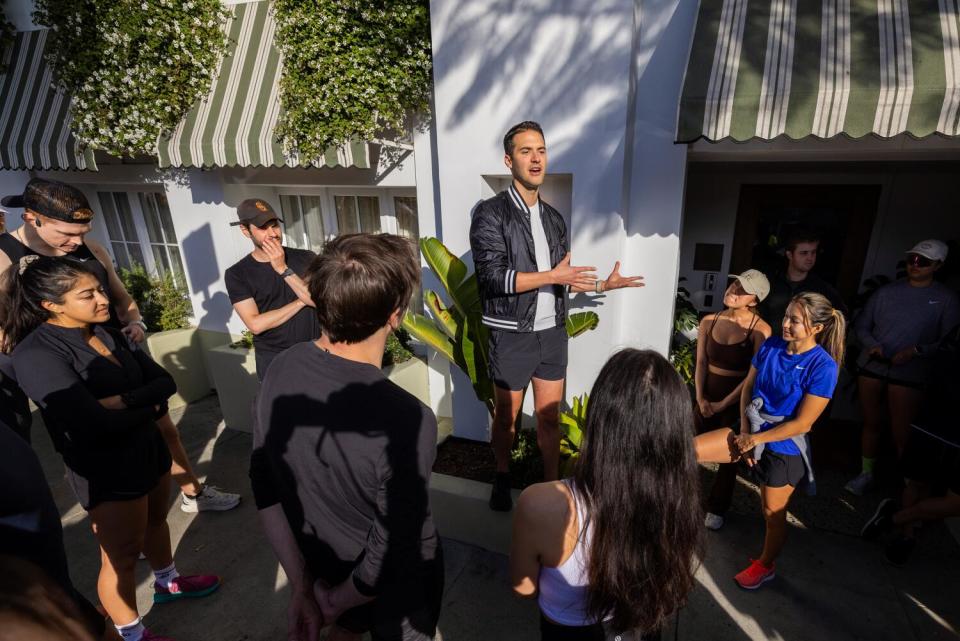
(819, 311)
(26, 285)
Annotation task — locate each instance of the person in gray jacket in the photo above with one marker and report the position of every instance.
(899, 329)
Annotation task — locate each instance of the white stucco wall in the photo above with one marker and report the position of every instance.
(603, 79)
(916, 202)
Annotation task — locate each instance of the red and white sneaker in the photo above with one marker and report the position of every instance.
(186, 587)
(754, 576)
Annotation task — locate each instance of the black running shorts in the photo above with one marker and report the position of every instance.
(517, 357)
(778, 470)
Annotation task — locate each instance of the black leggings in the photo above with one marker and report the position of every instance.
(550, 631)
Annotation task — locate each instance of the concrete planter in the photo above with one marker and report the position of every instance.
(180, 353)
(234, 374)
(411, 375)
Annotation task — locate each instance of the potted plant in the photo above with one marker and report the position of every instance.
(171, 341)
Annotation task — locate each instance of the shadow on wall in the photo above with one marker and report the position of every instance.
(581, 79)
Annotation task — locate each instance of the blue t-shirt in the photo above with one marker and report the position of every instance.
(783, 380)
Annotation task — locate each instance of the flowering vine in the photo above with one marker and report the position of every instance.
(352, 70)
(133, 67)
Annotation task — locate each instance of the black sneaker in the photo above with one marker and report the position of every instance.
(881, 521)
(899, 550)
(500, 499)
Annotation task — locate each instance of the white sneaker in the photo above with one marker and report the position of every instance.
(713, 521)
(210, 499)
(860, 484)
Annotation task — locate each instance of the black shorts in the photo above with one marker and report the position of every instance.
(550, 631)
(122, 474)
(517, 357)
(890, 380)
(928, 459)
(778, 470)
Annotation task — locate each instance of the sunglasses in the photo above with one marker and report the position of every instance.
(918, 261)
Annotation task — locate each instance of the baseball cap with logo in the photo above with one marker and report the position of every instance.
(52, 199)
(753, 282)
(932, 249)
(256, 212)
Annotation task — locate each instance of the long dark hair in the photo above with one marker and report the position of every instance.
(26, 284)
(637, 474)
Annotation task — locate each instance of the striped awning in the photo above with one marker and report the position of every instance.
(34, 115)
(767, 68)
(233, 125)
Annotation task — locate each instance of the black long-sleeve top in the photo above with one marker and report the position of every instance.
(66, 377)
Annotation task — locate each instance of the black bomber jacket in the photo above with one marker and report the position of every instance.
(502, 243)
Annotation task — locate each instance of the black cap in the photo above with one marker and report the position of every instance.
(52, 199)
(256, 212)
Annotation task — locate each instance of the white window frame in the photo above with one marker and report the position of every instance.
(140, 226)
(328, 203)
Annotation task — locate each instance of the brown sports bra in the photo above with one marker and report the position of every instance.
(734, 357)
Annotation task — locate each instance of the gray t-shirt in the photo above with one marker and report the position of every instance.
(899, 316)
(348, 454)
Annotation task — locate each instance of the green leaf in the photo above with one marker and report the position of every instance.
(427, 331)
(448, 320)
(449, 269)
(581, 322)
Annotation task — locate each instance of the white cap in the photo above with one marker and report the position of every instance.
(753, 282)
(932, 249)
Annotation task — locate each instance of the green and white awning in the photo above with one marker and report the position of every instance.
(768, 68)
(34, 115)
(233, 125)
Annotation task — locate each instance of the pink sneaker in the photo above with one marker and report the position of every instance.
(754, 576)
(150, 636)
(186, 587)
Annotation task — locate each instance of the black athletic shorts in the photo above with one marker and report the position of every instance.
(550, 631)
(778, 470)
(930, 459)
(890, 380)
(517, 357)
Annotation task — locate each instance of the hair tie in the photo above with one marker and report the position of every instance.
(25, 262)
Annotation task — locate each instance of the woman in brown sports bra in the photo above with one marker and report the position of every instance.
(726, 344)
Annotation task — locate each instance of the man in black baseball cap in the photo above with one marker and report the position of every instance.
(267, 288)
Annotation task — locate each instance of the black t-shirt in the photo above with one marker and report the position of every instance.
(249, 278)
(774, 307)
(348, 454)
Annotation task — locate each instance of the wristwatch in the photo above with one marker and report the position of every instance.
(139, 322)
(287, 272)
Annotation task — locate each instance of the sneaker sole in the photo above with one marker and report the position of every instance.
(177, 596)
(194, 508)
(876, 515)
(765, 579)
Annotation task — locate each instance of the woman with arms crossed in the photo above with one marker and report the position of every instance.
(790, 383)
(99, 399)
(612, 551)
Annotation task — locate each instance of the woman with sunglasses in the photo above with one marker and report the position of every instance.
(611, 552)
(899, 329)
(100, 399)
(726, 343)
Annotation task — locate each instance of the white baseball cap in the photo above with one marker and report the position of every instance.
(932, 249)
(753, 282)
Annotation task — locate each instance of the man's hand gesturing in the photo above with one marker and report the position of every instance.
(615, 280)
(566, 274)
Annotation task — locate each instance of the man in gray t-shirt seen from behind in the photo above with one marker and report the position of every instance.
(342, 456)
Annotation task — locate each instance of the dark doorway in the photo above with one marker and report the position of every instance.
(842, 214)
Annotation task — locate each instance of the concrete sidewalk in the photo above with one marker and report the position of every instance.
(831, 585)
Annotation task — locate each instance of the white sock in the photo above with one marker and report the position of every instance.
(131, 631)
(165, 576)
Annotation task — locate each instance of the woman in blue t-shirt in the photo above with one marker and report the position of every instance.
(790, 383)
